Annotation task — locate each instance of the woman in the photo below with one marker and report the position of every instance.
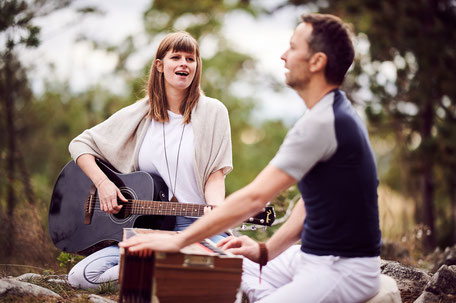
(177, 133)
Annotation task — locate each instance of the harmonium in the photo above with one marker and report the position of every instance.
(199, 273)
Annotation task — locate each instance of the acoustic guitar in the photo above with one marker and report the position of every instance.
(78, 225)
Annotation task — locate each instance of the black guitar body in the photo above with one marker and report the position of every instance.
(66, 212)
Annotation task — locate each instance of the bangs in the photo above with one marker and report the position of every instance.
(184, 44)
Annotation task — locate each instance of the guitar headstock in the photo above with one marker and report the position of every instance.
(265, 218)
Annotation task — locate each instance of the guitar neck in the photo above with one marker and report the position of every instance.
(144, 207)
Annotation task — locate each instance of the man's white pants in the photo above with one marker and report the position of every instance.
(295, 276)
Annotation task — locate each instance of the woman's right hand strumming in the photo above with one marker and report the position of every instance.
(108, 193)
(107, 190)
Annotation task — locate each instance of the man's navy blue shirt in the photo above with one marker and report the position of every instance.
(329, 154)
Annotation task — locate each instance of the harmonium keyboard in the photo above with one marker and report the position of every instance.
(199, 273)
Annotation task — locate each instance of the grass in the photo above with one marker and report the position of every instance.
(62, 289)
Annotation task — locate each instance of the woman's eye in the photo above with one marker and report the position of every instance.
(191, 59)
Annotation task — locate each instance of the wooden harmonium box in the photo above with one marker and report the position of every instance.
(200, 272)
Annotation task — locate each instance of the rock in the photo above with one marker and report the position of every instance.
(447, 257)
(15, 287)
(427, 297)
(410, 281)
(443, 281)
(58, 279)
(99, 299)
(441, 288)
(28, 276)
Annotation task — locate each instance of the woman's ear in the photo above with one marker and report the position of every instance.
(159, 65)
(318, 62)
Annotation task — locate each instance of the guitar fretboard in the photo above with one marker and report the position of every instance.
(141, 207)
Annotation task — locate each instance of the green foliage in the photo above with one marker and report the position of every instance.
(283, 205)
(15, 17)
(67, 260)
(45, 124)
(108, 288)
(197, 17)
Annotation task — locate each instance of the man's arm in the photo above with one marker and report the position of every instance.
(289, 233)
(283, 238)
(237, 207)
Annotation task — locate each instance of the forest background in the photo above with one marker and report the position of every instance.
(402, 84)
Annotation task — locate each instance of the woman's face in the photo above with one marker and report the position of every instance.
(178, 69)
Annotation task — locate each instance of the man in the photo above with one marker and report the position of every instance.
(328, 154)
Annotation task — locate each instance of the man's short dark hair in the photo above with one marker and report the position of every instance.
(330, 35)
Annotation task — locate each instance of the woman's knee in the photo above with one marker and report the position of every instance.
(76, 277)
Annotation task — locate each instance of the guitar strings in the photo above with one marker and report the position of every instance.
(152, 204)
(153, 207)
(165, 206)
(132, 201)
(190, 208)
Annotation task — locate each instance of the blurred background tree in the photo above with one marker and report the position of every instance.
(39, 127)
(17, 31)
(402, 80)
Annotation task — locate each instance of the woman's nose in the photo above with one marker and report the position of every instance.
(182, 61)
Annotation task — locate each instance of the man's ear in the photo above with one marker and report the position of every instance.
(318, 62)
(159, 65)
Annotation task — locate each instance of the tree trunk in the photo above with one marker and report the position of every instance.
(452, 196)
(428, 177)
(8, 99)
(11, 136)
(428, 204)
(25, 178)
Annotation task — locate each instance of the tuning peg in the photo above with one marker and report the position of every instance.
(243, 227)
(253, 227)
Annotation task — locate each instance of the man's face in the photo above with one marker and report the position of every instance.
(297, 57)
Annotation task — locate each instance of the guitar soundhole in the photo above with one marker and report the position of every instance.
(125, 211)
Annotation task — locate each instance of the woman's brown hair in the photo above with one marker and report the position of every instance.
(176, 42)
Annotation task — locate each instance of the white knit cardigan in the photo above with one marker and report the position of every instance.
(117, 140)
